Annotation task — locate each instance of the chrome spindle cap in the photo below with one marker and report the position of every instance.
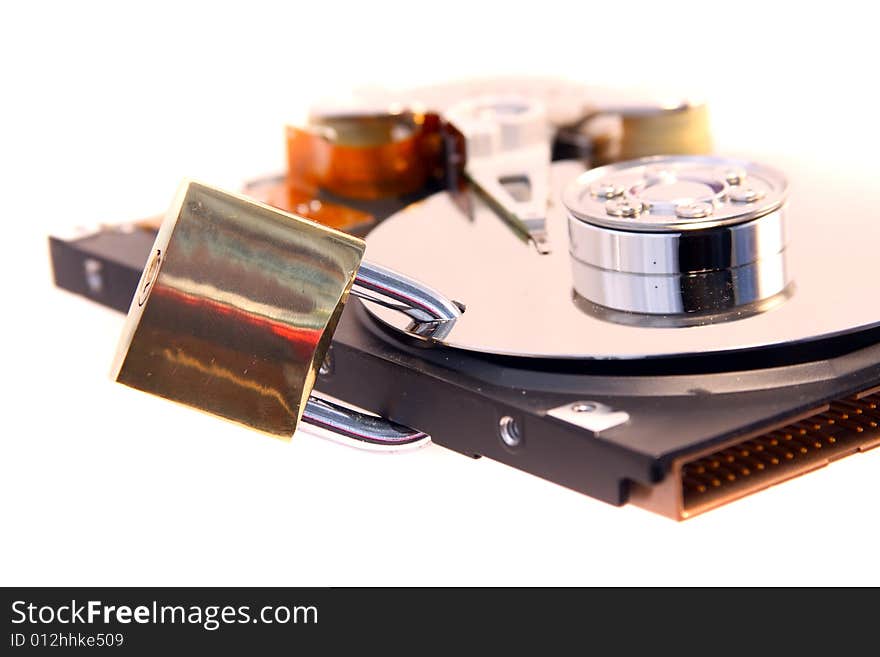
(678, 234)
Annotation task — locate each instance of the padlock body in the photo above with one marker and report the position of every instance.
(236, 308)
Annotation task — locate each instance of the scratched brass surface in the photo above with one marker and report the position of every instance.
(236, 308)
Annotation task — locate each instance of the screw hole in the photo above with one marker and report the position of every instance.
(94, 278)
(326, 367)
(509, 432)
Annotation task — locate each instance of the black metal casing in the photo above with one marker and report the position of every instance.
(458, 398)
(676, 406)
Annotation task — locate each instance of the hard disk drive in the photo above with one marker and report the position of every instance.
(550, 276)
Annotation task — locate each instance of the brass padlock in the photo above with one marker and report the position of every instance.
(236, 308)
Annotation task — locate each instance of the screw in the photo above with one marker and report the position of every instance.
(745, 194)
(583, 407)
(606, 190)
(735, 176)
(696, 210)
(624, 208)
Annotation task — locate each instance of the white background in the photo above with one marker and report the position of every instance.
(105, 107)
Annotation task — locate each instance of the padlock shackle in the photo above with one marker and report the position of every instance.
(359, 427)
(397, 291)
(431, 312)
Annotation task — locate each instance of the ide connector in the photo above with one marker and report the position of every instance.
(712, 477)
